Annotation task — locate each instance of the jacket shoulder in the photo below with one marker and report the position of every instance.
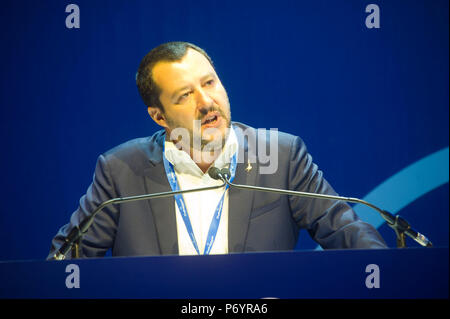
(138, 149)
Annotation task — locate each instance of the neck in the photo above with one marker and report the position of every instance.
(204, 166)
(203, 159)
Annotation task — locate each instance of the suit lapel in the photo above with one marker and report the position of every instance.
(240, 201)
(163, 209)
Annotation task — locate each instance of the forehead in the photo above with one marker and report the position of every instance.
(170, 76)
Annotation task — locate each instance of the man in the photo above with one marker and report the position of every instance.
(184, 95)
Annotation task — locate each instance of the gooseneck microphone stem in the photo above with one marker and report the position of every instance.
(383, 213)
(397, 223)
(73, 238)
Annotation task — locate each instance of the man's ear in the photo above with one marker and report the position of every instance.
(157, 115)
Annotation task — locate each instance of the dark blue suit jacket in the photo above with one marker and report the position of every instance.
(258, 221)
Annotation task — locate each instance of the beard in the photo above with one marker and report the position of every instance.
(192, 138)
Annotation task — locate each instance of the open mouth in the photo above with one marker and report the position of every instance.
(210, 119)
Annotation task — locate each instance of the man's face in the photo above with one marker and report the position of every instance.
(193, 98)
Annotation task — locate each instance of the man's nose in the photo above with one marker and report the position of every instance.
(203, 99)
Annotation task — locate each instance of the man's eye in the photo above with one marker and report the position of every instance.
(183, 97)
(210, 82)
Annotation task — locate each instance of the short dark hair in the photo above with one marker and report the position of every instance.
(167, 52)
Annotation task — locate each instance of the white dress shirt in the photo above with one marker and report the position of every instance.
(201, 205)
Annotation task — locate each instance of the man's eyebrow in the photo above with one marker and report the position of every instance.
(210, 74)
(179, 90)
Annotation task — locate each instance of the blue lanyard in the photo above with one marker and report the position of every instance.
(213, 228)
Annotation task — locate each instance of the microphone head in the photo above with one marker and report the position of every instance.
(225, 172)
(214, 172)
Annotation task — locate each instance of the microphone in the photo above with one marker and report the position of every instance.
(216, 173)
(73, 239)
(397, 223)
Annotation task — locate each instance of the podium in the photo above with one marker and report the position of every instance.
(379, 273)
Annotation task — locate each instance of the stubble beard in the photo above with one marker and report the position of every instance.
(192, 141)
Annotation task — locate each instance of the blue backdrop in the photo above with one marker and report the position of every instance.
(371, 104)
